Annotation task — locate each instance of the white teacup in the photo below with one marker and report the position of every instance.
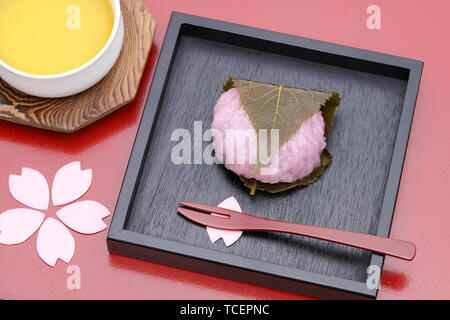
(76, 80)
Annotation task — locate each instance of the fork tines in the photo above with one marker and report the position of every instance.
(208, 208)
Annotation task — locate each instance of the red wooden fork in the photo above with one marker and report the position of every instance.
(234, 220)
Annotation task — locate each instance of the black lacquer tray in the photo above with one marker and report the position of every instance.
(357, 192)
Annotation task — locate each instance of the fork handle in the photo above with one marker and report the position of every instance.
(391, 247)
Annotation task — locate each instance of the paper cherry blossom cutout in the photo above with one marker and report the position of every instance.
(17, 225)
(84, 216)
(70, 183)
(228, 236)
(30, 189)
(54, 240)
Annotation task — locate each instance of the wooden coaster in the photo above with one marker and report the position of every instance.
(118, 88)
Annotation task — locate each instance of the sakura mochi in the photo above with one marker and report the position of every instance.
(273, 136)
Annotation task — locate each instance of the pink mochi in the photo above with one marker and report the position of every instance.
(298, 157)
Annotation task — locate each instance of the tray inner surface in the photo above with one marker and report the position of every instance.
(348, 196)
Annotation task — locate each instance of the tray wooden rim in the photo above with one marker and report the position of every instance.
(123, 241)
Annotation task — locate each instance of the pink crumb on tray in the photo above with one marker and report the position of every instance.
(298, 157)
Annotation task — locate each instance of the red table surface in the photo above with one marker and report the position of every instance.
(412, 29)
